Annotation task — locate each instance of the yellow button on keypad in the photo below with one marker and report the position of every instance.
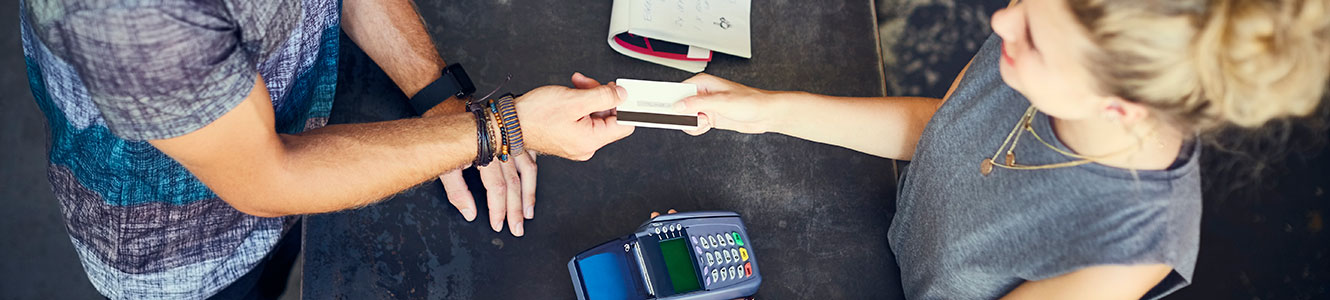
(743, 253)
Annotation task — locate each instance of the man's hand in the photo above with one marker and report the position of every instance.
(510, 191)
(510, 187)
(572, 123)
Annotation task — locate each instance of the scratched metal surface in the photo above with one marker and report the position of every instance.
(817, 214)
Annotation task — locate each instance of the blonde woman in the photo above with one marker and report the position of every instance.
(1063, 162)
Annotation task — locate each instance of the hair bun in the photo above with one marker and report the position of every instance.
(1262, 59)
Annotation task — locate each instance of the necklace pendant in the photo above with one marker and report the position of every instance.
(1011, 159)
(986, 166)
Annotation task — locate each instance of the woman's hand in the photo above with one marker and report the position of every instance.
(657, 214)
(728, 105)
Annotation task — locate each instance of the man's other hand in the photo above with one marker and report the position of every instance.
(510, 188)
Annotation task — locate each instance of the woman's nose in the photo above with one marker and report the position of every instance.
(1007, 24)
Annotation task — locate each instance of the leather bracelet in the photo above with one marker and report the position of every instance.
(484, 150)
(512, 127)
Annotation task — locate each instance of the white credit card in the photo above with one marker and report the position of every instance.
(651, 104)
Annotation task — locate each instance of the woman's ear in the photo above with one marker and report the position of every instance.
(1123, 111)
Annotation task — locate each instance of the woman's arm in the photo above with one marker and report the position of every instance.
(883, 126)
(1098, 282)
(887, 127)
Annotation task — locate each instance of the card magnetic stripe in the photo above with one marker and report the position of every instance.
(512, 129)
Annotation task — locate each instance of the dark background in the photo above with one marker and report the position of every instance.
(1262, 233)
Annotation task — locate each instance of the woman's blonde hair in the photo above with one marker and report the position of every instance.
(1200, 64)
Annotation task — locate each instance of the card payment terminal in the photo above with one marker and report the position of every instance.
(691, 255)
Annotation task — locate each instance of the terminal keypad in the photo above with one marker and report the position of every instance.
(723, 258)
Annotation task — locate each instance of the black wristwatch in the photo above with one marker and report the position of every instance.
(454, 82)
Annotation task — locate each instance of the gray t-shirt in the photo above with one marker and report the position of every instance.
(158, 69)
(108, 75)
(960, 235)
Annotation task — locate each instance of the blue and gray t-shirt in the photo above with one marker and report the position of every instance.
(110, 75)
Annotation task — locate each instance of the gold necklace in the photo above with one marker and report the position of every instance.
(1014, 137)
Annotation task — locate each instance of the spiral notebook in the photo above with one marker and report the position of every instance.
(702, 26)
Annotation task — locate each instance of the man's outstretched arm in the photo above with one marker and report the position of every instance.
(260, 172)
(241, 157)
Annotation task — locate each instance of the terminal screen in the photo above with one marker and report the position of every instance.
(679, 264)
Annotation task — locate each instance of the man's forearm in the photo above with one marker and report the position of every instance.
(242, 158)
(347, 166)
(392, 33)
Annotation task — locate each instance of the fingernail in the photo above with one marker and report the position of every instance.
(529, 212)
(497, 225)
(469, 214)
(518, 230)
(622, 92)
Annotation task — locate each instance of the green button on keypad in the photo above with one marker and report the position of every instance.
(737, 239)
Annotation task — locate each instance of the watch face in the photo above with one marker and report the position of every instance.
(464, 86)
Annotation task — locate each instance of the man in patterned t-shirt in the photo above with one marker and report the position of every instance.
(184, 135)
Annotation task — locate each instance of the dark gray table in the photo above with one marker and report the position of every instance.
(817, 214)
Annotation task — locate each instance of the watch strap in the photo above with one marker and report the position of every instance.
(454, 82)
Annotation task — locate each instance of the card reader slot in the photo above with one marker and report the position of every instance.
(642, 267)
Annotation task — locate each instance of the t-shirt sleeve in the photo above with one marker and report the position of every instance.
(155, 72)
(1156, 231)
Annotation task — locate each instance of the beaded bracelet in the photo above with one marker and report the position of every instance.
(500, 140)
(491, 140)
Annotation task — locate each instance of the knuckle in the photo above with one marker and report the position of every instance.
(456, 197)
(496, 195)
(609, 94)
(496, 184)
